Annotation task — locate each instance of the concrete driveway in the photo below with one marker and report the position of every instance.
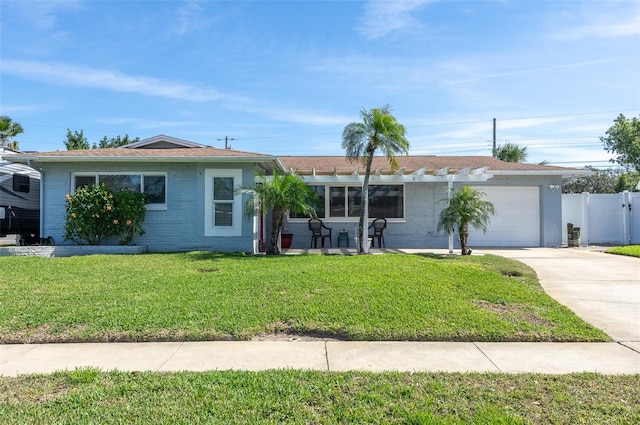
(603, 289)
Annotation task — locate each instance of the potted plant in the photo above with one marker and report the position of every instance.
(286, 239)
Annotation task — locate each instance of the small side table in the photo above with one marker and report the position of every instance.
(343, 236)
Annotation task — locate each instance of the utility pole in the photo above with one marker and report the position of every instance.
(493, 151)
(226, 142)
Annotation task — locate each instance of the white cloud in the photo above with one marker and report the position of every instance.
(12, 109)
(43, 14)
(189, 17)
(480, 74)
(383, 17)
(71, 75)
(622, 23)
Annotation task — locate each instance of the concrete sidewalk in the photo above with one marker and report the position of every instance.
(336, 356)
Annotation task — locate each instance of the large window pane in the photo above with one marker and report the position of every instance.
(337, 201)
(320, 192)
(119, 182)
(355, 201)
(223, 214)
(82, 181)
(386, 201)
(223, 188)
(155, 188)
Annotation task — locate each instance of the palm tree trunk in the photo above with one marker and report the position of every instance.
(463, 231)
(364, 203)
(277, 215)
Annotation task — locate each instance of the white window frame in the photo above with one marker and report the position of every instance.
(210, 229)
(96, 174)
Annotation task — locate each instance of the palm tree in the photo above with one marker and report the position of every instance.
(8, 130)
(510, 152)
(280, 193)
(466, 207)
(379, 131)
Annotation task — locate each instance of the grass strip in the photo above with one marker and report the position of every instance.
(92, 396)
(630, 250)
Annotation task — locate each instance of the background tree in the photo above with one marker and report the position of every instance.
(280, 194)
(379, 131)
(603, 181)
(623, 139)
(467, 207)
(76, 140)
(114, 142)
(510, 152)
(8, 130)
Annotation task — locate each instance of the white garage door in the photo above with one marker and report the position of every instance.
(517, 219)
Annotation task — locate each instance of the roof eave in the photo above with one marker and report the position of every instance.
(566, 173)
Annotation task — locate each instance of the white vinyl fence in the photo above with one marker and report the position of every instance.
(603, 218)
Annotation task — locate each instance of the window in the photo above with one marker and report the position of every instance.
(21, 183)
(118, 182)
(223, 208)
(337, 201)
(319, 190)
(82, 181)
(223, 201)
(384, 201)
(153, 184)
(355, 201)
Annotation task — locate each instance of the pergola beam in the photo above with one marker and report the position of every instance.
(420, 171)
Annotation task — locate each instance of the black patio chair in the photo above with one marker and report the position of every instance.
(378, 225)
(317, 228)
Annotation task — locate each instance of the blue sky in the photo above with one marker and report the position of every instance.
(286, 77)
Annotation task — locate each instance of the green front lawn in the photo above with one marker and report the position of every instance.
(207, 296)
(630, 250)
(273, 397)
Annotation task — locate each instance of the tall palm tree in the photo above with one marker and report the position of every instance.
(280, 193)
(466, 207)
(510, 152)
(8, 130)
(379, 131)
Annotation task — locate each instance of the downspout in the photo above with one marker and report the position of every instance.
(41, 195)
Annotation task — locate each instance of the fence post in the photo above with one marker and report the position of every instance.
(584, 231)
(626, 209)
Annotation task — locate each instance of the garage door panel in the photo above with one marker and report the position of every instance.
(517, 219)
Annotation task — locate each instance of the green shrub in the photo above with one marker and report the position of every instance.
(94, 213)
(130, 210)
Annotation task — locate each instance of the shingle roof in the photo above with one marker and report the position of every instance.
(114, 153)
(306, 165)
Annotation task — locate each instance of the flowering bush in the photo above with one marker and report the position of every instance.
(131, 209)
(94, 213)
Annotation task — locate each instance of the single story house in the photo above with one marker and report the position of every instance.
(189, 187)
(193, 207)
